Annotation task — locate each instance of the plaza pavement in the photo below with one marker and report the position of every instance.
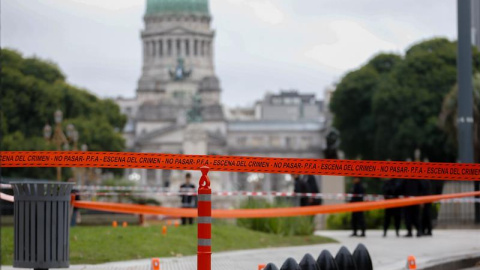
(387, 253)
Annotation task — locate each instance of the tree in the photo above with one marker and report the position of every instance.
(448, 117)
(352, 105)
(32, 89)
(389, 115)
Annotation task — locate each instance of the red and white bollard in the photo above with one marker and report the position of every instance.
(204, 222)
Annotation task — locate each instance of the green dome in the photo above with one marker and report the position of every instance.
(177, 7)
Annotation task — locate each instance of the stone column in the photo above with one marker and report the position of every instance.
(330, 184)
(145, 50)
(154, 48)
(182, 47)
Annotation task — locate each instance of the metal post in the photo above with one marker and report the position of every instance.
(204, 223)
(465, 89)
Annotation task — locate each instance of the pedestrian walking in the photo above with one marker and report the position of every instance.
(390, 191)
(188, 201)
(358, 218)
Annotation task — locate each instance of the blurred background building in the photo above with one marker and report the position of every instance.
(178, 108)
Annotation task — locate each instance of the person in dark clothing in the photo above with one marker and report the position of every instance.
(312, 187)
(409, 188)
(300, 186)
(358, 218)
(188, 201)
(390, 191)
(426, 218)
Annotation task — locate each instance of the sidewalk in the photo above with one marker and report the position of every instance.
(387, 253)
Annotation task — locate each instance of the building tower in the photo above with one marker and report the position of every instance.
(178, 52)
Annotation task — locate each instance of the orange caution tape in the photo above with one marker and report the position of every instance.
(380, 169)
(271, 212)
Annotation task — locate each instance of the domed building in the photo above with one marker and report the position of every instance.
(177, 108)
(177, 49)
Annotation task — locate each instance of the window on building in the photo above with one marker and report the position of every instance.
(178, 94)
(305, 142)
(169, 47)
(257, 141)
(242, 141)
(187, 47)
(166, 175)
(202, 49)
(275, 141)
(151, 176)
(154, 49)
(289, 142)
(195, 47)
(146, 47)
(160, 48)
(178, 47)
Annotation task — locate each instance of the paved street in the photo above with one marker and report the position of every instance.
(387, 253)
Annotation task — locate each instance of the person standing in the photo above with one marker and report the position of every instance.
(188, 201)
(312, 187)
(390, 191)
(300, 186)
(426, 218)
(358, 218)
(412, 188)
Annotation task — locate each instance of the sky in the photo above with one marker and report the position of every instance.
(260, 45)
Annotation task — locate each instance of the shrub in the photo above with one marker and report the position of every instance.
(342, 221)
(303, 225)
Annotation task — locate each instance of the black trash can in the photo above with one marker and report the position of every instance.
(41, 233)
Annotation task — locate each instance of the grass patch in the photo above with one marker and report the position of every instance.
(90, 245)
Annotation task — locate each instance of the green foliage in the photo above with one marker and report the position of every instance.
(342, 221)
(390, 106)
(32, 90)
(448, 116)
(303, 225)
(100, 244)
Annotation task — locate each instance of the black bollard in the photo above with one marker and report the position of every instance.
(362, 258)
(308, 263)
(345, 260)
(270, 266)
(326, 261)
(290, 264)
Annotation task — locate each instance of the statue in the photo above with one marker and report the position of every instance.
(195, 113)
(333, 142)
(180, 73)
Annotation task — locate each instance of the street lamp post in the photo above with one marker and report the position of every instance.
(59, 139)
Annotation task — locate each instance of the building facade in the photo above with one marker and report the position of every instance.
(177, 107)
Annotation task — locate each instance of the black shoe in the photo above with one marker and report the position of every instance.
(408, 235)
(385, 234)
(362, 235)
(419, 234)
(353, 235)
(398, 234)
